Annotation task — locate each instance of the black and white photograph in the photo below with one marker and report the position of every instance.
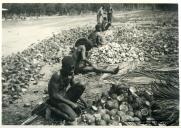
(90, 64)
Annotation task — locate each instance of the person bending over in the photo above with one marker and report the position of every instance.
(82, 64)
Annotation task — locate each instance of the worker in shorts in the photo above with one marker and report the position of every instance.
(64, 92)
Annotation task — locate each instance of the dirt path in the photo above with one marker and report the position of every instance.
(17, 36)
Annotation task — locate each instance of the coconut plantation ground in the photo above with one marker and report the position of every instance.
(143, 43)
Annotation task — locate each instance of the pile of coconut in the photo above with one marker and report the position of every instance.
(121, 105)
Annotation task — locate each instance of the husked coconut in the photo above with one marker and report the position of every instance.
(106, 117)
(113, 112)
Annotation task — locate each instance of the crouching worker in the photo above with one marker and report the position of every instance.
(82, 64)
(64, 92)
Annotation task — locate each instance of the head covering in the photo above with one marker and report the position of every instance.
(86, 42)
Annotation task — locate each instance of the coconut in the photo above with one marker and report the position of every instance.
(102, 111)
(103, 101)
(121, 113)
(144, 112)
(129, 118)
(113, 96)
(97, 116)
(130, 113)
(90, 119)
(116, 104)
(120, 98)
(106, 117)
(109, 105)
(94, 108)
(147, 103)
(130, 108)
(123, 108)
(124, 118)
(113, 112)
(136, 119)
(101, 122)
(138, 114)
(116, 118)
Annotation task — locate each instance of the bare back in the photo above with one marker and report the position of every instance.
(57, 85)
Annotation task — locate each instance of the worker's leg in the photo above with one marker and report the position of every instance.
(62, 111)
(98, 70)
(107, 26)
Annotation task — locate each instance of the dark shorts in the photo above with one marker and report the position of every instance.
(73, 94)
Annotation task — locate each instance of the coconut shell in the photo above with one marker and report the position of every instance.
(121, 113)
(113, 96)
(138, 114)
(116, 118)
(144, 112)
(103, 111)
(113, 112)
(116, 104)
(129, 118)
(90, 119)
(102, 123)
(109, 105)
(123, 108)
(136, 119)
(120, 98)
(94, 108)
(106, 117)
(97, 116)
(130, 113)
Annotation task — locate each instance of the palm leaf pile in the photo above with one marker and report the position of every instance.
(165, 106)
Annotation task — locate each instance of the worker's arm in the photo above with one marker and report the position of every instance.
(55, 94)
(84, 58)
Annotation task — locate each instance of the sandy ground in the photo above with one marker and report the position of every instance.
(17, 36)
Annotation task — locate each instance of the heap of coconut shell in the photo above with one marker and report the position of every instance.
(113, 53)
(122, 105)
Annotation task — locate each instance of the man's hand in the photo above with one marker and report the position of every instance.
(77, 109)
(74, 106)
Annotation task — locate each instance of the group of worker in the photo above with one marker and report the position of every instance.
(104, 17)
(64, 91)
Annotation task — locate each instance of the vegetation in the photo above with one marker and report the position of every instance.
(38, 9)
